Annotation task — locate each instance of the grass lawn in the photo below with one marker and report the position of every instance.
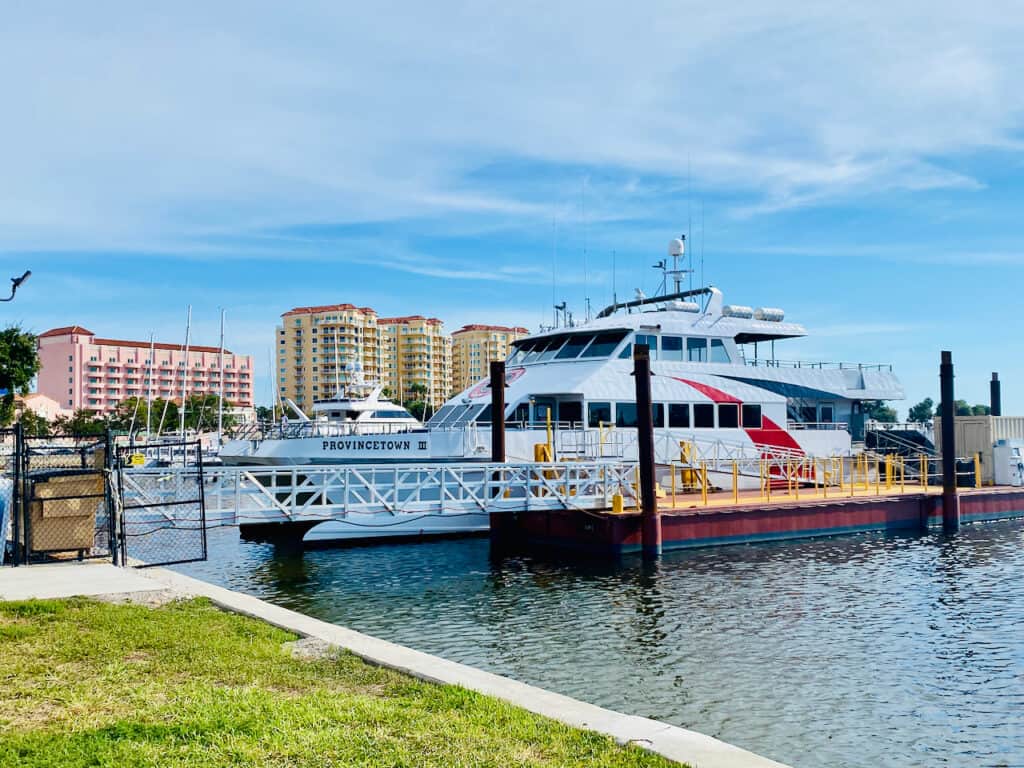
(87, 683)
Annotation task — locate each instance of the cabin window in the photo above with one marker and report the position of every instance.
(827, 414)
(704, 415)
(679, 415)
(393, 414)
(808, 414)
(441, 415)
(485, 415)
(554, 344)
(658, 415)
(599, 414)
(573, 347)
(651, 341)
(626, 353)
(697, 350)
(672, 348)
(570, 412)
(521, 415)
(719, 354)
(625, 414)
(604, 344)
(751, 416)
(728, 415)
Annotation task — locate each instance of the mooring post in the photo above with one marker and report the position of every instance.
(498, 411)
(650, 535)
(950, 501)
(995, 396)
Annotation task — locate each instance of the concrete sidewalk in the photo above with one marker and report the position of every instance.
(72, 579)
(75, 578)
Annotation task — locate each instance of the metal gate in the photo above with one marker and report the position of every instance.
(161, 515)
(60, 498)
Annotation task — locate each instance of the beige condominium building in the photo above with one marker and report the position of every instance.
(317, 349)
(475, 346)
(416, 351)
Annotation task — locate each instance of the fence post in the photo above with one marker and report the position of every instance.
(16, 495)
(109, 467)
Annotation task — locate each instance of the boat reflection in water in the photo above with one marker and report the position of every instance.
(861, 650)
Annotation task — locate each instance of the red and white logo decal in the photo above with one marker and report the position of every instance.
(483, 389)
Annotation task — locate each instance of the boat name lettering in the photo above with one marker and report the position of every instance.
(369, 445)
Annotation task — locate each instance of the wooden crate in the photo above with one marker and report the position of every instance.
(61, 532)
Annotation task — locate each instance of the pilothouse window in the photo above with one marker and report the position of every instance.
(574, 346)
(604, 344)
(719, 354)
(672, 348)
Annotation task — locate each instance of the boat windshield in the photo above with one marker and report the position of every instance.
(567, 346)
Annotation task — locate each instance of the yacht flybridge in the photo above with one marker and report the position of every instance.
(716, 382)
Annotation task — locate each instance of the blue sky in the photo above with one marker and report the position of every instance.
(861, 169)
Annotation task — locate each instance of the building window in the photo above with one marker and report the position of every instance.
(71, 358)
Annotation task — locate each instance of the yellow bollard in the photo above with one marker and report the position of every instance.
(977, 470)
(735, 482)
(704, 482)
(672, 469)
(617, 505)
(551, 447)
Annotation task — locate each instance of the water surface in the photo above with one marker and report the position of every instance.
(870, 650)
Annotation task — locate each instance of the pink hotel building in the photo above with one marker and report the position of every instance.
(79, 370)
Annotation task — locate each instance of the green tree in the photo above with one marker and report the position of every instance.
(81, 422)
(33, 424)
(923, 411)
(416, 400)
(981, 410)
(19, 363)
(879, 411)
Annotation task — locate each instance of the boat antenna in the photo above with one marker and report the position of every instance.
(615, 297)
(702, 284)
(583, 214)
(554, 260)
(689, 220)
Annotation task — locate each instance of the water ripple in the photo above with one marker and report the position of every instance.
(854, 651)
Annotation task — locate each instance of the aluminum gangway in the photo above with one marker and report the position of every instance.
(284, 494)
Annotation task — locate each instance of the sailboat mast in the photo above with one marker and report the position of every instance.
(184, 373)
(149, 391)
(220, 394)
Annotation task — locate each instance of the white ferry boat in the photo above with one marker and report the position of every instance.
(717, 384)
(358, 408)
(717, 380)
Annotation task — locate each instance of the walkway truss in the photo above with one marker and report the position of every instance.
(245, 495)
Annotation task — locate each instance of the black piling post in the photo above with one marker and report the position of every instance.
(650, 533)
(995, 396)
(950, 501)
(498, 411)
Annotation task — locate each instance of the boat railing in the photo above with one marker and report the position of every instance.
(817, 365)
(304, 429)
(828, 426)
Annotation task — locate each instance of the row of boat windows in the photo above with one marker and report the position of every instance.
(388, 414)
(678, 415)
(566, 346)
(604, 414)
(578, 346)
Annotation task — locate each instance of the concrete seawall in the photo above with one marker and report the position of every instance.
(670, 741)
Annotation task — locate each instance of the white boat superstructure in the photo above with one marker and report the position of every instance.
(717, 384)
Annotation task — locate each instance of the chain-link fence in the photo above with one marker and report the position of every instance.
(163, 516)
(59, 499)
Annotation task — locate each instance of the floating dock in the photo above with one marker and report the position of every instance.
(685, 525)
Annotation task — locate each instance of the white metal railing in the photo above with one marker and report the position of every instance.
(323, 492)
(828, 426)
(815, 364)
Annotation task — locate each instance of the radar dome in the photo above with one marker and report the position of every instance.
(676, 247)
